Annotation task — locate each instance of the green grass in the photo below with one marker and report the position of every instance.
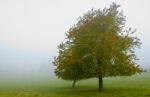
(134, 86)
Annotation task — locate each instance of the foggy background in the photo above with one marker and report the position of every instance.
(30, 31)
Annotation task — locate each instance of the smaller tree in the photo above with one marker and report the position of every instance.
(70, 65)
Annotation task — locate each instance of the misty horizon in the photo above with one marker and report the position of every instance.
(31, 30)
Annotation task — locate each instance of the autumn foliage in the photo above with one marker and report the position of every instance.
(98, 45)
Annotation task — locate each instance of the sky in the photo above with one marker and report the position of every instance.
(30, 31)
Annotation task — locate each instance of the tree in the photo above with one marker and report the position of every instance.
(70, 65)
(99, 45)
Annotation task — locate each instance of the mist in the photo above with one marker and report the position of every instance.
(30, 31)
(24, 65)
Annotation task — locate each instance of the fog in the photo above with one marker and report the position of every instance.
(21, 65)
(30, 31)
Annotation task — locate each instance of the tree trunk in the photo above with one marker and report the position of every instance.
(100, 80)
(74, 82)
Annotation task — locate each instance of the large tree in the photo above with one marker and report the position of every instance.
(98, 46)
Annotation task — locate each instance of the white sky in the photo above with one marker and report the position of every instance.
(40, 25)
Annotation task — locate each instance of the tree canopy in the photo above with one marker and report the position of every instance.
(98, 45)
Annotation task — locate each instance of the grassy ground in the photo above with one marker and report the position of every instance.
(134, 86)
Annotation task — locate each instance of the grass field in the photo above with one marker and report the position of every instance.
(134, 86)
